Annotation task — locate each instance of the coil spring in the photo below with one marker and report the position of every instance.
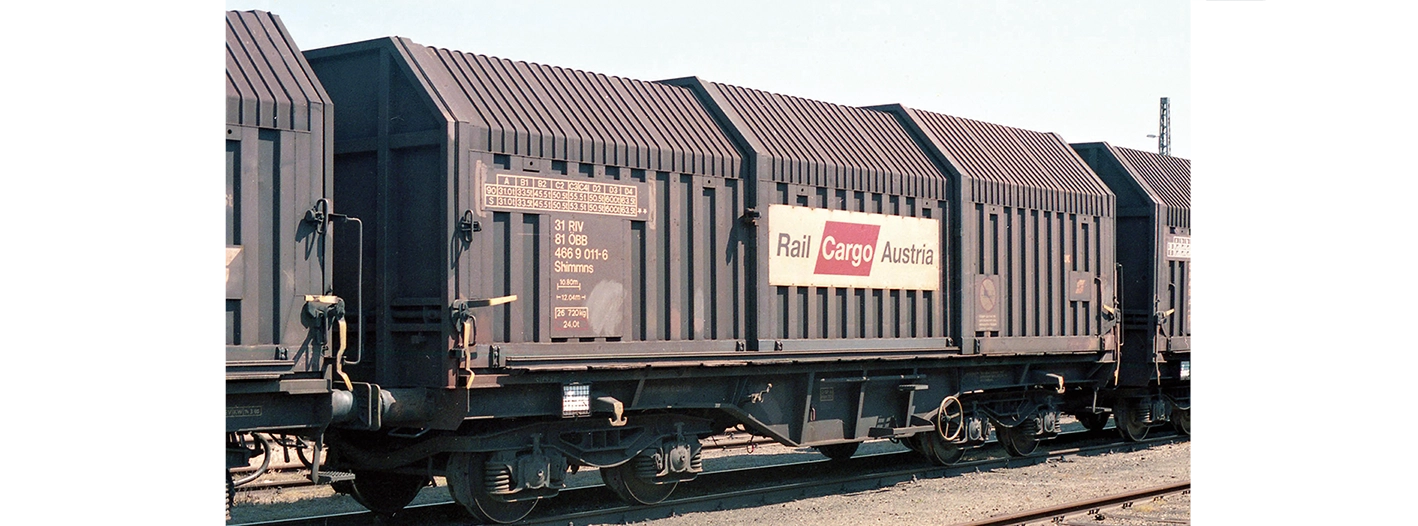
(696, 462)
(1049, 422)
(498, 479)
(647, 465)
(1029, 427)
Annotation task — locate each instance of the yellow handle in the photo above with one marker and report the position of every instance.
(343, 338)
(1118, 354)
(1061, 381)
(467, 331)
(340, 357)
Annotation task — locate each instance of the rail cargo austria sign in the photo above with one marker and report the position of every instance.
(837, 248)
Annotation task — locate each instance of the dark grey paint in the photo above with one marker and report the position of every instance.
(278, 166)
(1154, 201)
(1034, 262)
(429, 134)
(821, 155)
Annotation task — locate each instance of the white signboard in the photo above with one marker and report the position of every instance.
(836, 248)
(1179, 247)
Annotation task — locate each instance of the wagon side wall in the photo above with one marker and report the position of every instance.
(278, 168)
(392, 172)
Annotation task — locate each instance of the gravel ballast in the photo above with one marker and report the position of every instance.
(974, 496)
(948, 500)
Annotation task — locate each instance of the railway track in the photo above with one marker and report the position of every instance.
(1091, 511)
(750, 487)
(293, 472)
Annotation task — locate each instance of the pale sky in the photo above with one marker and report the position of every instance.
(1089, 71)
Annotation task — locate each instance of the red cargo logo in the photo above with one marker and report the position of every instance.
(847, 249)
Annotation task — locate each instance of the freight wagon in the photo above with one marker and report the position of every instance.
(1154, 226)
(528, 269)
(283, 325)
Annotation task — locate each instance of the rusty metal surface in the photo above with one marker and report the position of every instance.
(1089, 508)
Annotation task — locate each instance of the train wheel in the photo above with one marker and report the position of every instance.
(914, 443)
(386, 493)
(1093, 421)
(467, 483)
(938, 450)
(633, 489)
(1019, 441)
(1182, 420)
(1129, 422)
(839, 452)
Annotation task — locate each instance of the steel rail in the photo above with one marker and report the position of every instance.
(1057, 514)
(586, 504)
(744, 440)
(898, 467)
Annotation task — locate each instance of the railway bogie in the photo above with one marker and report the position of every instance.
(565, 269)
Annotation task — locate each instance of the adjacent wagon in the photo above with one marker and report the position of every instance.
(283, 325)
(1154, 248)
